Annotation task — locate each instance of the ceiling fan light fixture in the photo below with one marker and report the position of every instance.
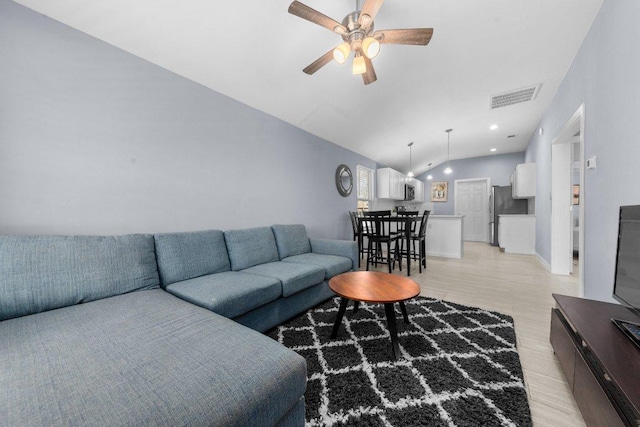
(371, 47)
(359, 66)
(341, 53)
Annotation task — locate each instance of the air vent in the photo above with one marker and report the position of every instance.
(511, 136)
(514, 97)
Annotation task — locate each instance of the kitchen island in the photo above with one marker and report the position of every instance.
(444, 236)
(517, 233)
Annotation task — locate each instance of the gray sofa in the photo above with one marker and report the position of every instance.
(152, 330)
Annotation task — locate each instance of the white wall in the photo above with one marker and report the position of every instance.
(94, 140)
(605, 76)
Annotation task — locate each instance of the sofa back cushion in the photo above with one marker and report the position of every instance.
(40, 273)
(251, 246)
(291, 239)
(183, 256)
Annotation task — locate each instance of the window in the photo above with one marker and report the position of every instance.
(366, 186)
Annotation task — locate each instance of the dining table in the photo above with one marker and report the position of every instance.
(408, 220)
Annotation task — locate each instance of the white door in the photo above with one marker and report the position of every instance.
(562, 197)
(561, 204)
(472, 202)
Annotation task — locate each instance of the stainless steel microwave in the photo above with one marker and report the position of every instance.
(409, 192)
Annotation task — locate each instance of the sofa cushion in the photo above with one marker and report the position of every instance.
(294, 277)
(229, 293)
(40, 273)
(332, 264)
(345, 248)
(183, 256)
(143, 359)
(251, 246)
(291, 239)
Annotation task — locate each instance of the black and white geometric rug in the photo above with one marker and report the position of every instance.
(458, 366)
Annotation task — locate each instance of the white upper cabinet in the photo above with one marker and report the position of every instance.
(419, 189)
(390, 184)
(523, 181)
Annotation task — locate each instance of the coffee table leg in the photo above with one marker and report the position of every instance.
(356, 305)
(341, 310)
(393, 330)
(404, 312)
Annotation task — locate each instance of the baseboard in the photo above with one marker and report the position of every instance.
(443, 255)
(544, 263)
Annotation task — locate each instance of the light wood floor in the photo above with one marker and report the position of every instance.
(520, 286)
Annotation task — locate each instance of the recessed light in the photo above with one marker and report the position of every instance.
(493, 127)
(492, 150)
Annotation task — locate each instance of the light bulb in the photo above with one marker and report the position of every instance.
(410, 175)
(429, 177)
(371, 47)
(448, 170)
(341, 53)
(359, 67)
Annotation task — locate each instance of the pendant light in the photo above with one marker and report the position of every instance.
(448, 170)
(410, 174)
(429, 177)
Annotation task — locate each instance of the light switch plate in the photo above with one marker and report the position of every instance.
(591, 162)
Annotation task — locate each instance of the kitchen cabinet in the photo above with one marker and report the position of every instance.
(517, 233)
(523, 181)
(419, 189)
(390, 184)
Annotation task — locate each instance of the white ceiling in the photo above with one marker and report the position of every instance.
(254, 51)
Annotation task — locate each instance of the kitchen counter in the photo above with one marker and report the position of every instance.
(444, 236)
(517, 233)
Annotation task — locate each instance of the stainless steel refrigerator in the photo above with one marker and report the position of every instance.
(502, 202)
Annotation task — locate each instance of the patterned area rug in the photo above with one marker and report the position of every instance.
(459, 366)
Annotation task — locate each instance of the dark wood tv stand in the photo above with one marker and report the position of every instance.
(601, 364)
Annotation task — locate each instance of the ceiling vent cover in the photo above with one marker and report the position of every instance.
(514, 97)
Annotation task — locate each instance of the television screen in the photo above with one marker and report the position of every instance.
(626, 287)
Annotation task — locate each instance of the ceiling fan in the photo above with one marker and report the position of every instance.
(358, 36)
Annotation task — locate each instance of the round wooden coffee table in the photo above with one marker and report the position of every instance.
(374, 287)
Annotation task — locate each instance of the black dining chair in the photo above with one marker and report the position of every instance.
(421, 238)
(377, 228)
(401, 230)
(358, 235)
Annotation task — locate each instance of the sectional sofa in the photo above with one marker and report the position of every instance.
(158, 329)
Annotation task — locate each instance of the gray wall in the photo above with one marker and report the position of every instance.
(605, 77)
(497, 167)
(94, 140)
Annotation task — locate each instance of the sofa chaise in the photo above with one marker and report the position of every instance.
(158, 329)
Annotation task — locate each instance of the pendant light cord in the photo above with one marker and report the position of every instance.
(448, 170)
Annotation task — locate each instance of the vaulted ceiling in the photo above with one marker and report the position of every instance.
(254, 51)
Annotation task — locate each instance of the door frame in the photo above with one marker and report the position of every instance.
(487, 181)
(561, 218)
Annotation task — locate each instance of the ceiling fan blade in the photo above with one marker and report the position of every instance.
(319, 63)
(416, 36)
(368, 13)
(369, 76)
(305, 12)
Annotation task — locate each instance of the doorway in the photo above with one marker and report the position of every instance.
(567, 176)
(472, 201)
